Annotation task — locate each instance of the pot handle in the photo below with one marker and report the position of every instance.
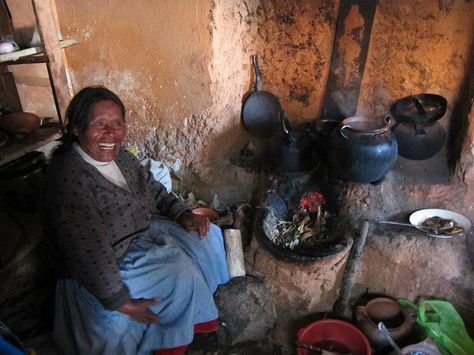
(258, 74)
(389, 122)
(361, 315)
(285, 123)
(419, 107)
(341, 129)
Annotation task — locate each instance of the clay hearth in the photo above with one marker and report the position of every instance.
(298, 288)
(301, 281)
(303, 284)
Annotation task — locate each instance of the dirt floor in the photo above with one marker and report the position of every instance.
(204, 344)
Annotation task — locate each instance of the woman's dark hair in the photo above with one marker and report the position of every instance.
(80, 108)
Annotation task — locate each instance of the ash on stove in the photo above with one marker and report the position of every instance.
(297, 219)
(333, 240)
(307, 227)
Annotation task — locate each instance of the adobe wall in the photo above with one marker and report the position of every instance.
(183, 69)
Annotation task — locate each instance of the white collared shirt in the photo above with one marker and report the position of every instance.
(108, 169)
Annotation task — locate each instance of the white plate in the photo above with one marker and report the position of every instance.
(418, 217)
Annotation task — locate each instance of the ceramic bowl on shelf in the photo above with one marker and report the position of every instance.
(22, 123)
(8, 46)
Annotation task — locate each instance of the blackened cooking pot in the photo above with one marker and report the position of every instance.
(362, 150)
(419, 109)
(419, 142)
(261, 109)
(418, 134)
(295, 150)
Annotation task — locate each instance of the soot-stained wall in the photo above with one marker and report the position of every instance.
(416, 47)
(183, 68)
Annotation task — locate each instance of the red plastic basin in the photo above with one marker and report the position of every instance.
(334, 335)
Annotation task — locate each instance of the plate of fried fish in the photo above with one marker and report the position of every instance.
(440, 223)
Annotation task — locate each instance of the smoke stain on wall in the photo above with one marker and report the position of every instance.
(294, 41)
(184, 68)
(412, 51)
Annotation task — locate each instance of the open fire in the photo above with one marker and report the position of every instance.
(307, 225)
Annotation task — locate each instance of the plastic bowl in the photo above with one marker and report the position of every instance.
(334, 335)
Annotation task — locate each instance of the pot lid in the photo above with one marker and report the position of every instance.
(419, 109)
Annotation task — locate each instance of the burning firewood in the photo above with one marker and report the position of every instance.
(308, 222)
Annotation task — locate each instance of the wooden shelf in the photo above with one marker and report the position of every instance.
(33, 54)
(15, 147)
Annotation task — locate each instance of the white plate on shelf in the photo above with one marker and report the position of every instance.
(418, 217)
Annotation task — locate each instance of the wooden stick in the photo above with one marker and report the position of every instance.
(341, 307)
(234, 252)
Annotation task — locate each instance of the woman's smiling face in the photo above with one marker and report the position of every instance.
(104, 133)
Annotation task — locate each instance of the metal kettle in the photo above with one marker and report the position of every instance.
(295, 153)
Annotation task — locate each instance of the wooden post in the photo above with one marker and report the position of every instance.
(341, 307)
(234, 252)
(49, 33)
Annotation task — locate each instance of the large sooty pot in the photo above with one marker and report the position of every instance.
(362, 150)
(419, 142)
(418, 134)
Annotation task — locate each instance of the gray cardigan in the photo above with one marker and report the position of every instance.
(92, 221)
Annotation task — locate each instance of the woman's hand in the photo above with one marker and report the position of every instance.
(195, 222)
(139, 310)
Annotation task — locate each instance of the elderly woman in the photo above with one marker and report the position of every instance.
(138, 268)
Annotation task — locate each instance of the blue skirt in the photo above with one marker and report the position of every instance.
(164, 262)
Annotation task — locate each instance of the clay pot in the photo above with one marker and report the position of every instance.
(398, 320)
(23, 123)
